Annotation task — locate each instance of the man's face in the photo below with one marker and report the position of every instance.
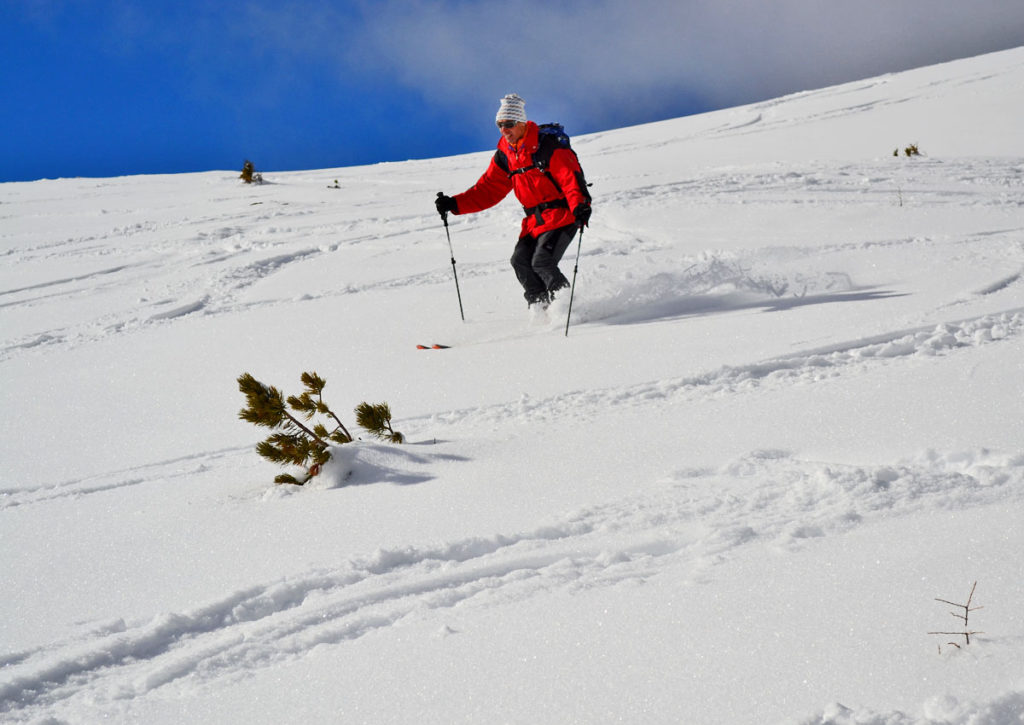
(514, 133)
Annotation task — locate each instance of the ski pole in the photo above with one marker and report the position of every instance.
(572, 290)
(444, 218)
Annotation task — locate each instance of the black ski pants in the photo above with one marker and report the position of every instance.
(535, 261)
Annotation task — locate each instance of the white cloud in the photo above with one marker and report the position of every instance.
(613, 61)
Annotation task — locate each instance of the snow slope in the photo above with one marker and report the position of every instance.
(788, 416)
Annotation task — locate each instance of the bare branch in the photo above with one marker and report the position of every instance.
(967, 609)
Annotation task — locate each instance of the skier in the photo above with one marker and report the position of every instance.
(555, 200)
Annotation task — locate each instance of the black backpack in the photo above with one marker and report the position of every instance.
(550, 136)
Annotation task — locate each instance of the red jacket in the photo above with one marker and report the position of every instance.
(532, 187)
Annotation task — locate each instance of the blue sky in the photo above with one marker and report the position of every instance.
(116, 87)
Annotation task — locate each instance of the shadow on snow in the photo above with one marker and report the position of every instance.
(698, 305)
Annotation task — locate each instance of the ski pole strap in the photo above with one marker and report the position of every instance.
(535, 211)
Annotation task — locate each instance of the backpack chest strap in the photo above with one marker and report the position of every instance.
(537, 211)
(524, 169)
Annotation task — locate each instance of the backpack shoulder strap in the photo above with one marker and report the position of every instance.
(545, 148)
(501, 160)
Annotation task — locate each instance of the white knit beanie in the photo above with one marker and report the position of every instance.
(513, 108)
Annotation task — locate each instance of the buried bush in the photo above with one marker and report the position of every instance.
(249, 174)
(911, 150)
(296, 438)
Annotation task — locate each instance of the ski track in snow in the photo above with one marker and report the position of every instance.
(937, 183)
(802, 368)
(183, 467)
(694, 519)
(805, 367)
(232, 253)
(1000, 285)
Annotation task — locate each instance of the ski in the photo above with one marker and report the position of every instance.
(435, 346)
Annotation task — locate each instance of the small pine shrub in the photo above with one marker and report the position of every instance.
(305, 444)
(377, 420)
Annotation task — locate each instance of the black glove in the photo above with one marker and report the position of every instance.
(582, 214)
(445, 204)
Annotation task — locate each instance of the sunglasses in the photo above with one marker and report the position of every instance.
(507, 124)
